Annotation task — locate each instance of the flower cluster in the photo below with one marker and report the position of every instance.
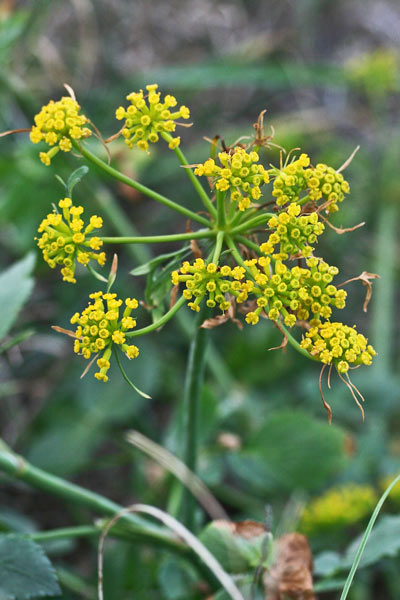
(338, 507)
(291, 293)
(324, 182)
(294, 233)
(65, 241)
(57, 124)
(240, 173)
(99, 327)
(321, 181)
(208, 279)
(291, 180)
(339, 344)
(146, 121)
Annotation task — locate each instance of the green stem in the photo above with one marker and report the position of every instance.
(251, 223)
(295, 344)
(251, 245)
(231, 244)
(117, 218)
(65, 533)
(195, 182)
(383, 298)
(218, 246)
(220, 209)
(154, 239)
(138, 186)
(18, 467)
(191, 399)
(240, 216)
(164, 319)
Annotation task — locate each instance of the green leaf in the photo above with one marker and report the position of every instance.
(177, 579)
(12, 520)
(75, 178)
(158, 285)
(235, 553)
(25, 570)
(383, 541)
(149, 266)
(327, 563)
(288, 443)
(15, 287)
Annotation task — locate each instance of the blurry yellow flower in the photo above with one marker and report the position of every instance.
(338, 507)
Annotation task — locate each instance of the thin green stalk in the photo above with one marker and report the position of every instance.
(16, 466)
(164, 319)
(191, 399)
(220, 208)
(218, 247)
(120, 222)
(154, 239)
(383, 298)
(238, 217)
(194, 180)
(364, 540)
(138, 186)
(231, 244)
(65, 533)
(75, 584)
(251, 223)
(295, 344)
(251, 245)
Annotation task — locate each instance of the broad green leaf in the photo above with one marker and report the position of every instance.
(16, 285)
(177, 579)
(12, 520)
(25, 570)
(289, 443)
(384, 540)
(327, 563)
(329, 585)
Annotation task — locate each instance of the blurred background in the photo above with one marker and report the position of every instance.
(327, 71)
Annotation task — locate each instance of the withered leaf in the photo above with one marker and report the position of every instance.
(228, 315)
(365, 279)
(291, 574)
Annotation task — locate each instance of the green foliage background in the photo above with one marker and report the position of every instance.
(227, 61)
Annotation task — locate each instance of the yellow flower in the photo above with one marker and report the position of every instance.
(209, 280)
(99, 327)
(294, 233)
(338, 507)
(148, 117)
(338, 344)
(291, 293)
(57, 124)
(65, 241)
(239, 172)
(321, 182)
